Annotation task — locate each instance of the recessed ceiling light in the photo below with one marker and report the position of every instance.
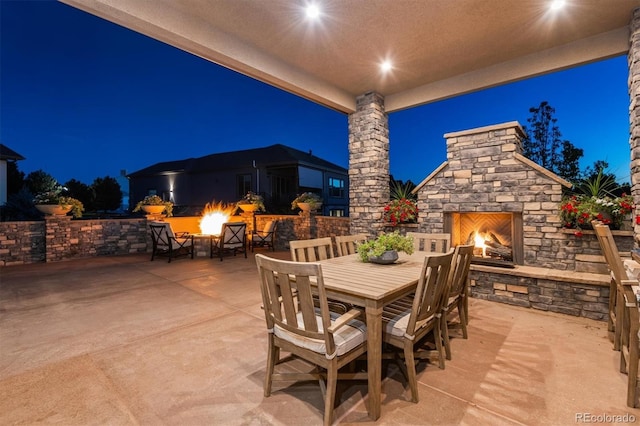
(313, 11)
(557, 4)
(386, 66)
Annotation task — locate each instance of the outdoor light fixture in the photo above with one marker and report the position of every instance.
(313, 11)
(386, 66)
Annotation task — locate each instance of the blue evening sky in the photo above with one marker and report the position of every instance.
(81, 98)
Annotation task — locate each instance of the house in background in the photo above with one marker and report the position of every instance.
(276, 172)
(6, 155)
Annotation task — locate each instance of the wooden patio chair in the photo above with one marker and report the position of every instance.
(618, 274)
(407, 321)
(232, 240)
(315, 334)
(629, 342)
(458, 293)
(438, 243)
(266, 237)
(167, 243)
(347, 244)
(311, 251)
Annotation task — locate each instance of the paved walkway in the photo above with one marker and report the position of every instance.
(122, 340)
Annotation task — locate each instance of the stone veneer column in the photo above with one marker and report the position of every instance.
(368, 164)
(634, 112)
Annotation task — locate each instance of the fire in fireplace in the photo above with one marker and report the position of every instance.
(213, 216)
(497, 236)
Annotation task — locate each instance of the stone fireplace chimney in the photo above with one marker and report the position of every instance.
(488, 187)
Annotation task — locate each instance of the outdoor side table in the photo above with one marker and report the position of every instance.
(211, 237)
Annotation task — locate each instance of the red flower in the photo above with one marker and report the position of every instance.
(578, 234)
(400, 211)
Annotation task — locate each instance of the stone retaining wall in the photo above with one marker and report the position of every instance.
(585, 295)
(60, 238)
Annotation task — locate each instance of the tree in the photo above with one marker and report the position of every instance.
(40, 181)
(569, 168)
(543, 144)
(108, 195)
(82, 192)
(15, 178)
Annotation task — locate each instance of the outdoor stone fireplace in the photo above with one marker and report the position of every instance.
(489, 194)
(497, 236)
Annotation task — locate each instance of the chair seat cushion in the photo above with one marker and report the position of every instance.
(395, 317)
(181, 242)
(346, 338)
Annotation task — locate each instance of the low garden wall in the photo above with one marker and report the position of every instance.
(58, 238)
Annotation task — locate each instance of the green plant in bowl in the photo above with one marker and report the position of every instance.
(392, 241)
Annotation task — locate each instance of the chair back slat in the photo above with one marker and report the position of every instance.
(311, 250)
(347, 244)
(438, 243)
(431, 286)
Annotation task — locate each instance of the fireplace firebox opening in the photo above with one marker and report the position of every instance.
(497, 236)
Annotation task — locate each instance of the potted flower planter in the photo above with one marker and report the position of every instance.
(153, 209)
(53, 209)
(308, 207)
(248, 207)
(386, 258)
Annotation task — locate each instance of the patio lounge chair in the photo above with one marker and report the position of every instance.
(167, 243)
(266, 237)
(232, 240)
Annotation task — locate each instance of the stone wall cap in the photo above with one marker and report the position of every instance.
(588, 278)
(486, 129)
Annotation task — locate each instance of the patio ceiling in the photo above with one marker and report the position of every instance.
(439, 48)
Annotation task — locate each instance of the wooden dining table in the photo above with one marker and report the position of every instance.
(372, 286)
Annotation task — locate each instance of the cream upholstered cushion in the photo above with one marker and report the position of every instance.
(346, 338)
(169, 236)
(396, 317)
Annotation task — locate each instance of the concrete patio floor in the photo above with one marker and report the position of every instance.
(122, 340)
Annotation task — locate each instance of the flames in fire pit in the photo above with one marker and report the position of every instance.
(488, 245)
(213, 216)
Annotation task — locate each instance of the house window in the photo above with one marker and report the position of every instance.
(336, 187)
(336, 212)
(244, 185)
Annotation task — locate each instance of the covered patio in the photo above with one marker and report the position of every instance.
(122, 340)
(370, 58)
